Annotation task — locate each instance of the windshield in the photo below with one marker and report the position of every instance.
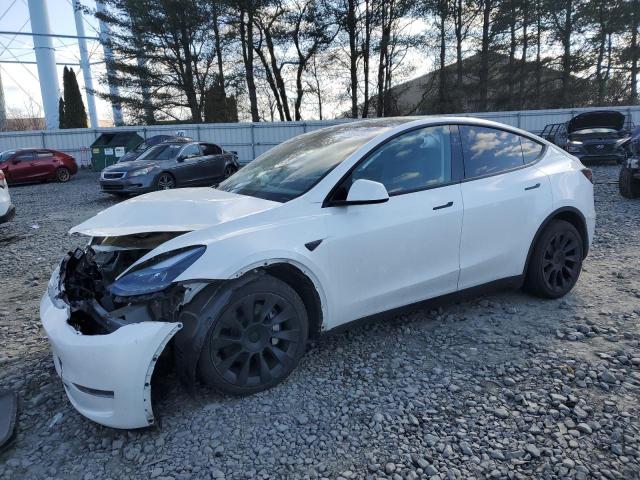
(165, 151)
(4, 156)
(293, 167)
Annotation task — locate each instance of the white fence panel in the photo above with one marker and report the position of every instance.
(252, 139)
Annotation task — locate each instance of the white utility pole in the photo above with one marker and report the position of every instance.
(85, 66)
(46, 60)
(108, 57)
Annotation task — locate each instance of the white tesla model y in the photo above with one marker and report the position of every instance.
(329, 227)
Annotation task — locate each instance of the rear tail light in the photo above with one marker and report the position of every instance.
(587, 172)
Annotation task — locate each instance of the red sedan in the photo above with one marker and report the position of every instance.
(37, 164)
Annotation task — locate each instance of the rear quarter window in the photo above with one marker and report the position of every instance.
(489, 151)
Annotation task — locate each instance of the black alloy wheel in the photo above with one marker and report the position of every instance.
(556, 261)
(258, 339)
(166, 182)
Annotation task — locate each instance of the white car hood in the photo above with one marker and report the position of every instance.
(180, 210)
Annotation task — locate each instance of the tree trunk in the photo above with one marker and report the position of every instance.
(459, 38)
(567, 100)
(442, 88)
(353, 55)
(484, 56)
(277, 74)
(383, 57)
(246, 39)
(512, 56)
(538, 52)
(523, 61)
(366, 55)
(635, 20)
(270, 80)
(218, 51)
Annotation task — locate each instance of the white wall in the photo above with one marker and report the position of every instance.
(252, 139)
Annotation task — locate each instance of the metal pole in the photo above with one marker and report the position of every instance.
(84, 64)
(3, 111)
(108, 56)
(45, 56)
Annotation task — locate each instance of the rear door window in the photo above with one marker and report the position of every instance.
(489, 151)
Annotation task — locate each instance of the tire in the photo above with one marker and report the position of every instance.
(246, 353)
(229, 170)
(628, 185)
(556, 261)
(63, 174)
(166, 181)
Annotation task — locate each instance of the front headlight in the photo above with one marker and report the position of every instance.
(574, 147)
(141, 171)
(157, 273)
(53, 289)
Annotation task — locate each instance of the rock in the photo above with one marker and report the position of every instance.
(532, 449)
(501, 413)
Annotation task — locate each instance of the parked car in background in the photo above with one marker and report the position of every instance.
(7, 210)
(629, 178)
(170, 165)
(597, 136)
(37, 164)
(332, 226)
(150, 142)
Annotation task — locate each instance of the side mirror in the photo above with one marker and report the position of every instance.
(363, 192)
(15, 162)
(181, 158)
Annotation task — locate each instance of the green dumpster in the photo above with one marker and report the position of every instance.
(109, 147)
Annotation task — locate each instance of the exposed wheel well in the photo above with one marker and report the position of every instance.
(568, 214)
(304, 287)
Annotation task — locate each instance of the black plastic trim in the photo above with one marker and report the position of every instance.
(311, 246)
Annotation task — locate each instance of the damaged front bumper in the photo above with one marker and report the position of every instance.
(107, 377)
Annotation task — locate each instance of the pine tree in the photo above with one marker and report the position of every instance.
(61, 117)
(75, 115)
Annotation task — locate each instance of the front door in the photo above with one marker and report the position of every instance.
(20, 167)
(396, 253)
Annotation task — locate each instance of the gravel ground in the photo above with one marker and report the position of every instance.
(502, 386)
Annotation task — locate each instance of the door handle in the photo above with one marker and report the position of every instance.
(446, 205)
(533, 187)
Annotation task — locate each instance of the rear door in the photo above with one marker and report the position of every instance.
(44, 164)
(214, 162)
(505, 197)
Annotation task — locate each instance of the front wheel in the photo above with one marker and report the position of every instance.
(257, 340)
(556, 261)
(166, 181)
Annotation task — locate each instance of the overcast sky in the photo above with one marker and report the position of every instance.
(21, 86)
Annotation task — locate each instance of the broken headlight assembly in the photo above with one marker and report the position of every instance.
(157, 273)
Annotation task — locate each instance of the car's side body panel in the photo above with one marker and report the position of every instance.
(391, 254)
(501, 216)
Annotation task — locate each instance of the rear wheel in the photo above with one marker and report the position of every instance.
(628, 185)
(166, 181)
(556, 261)
(257, 340)
(63, 174)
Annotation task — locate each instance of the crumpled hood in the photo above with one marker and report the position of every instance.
(179, 210)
